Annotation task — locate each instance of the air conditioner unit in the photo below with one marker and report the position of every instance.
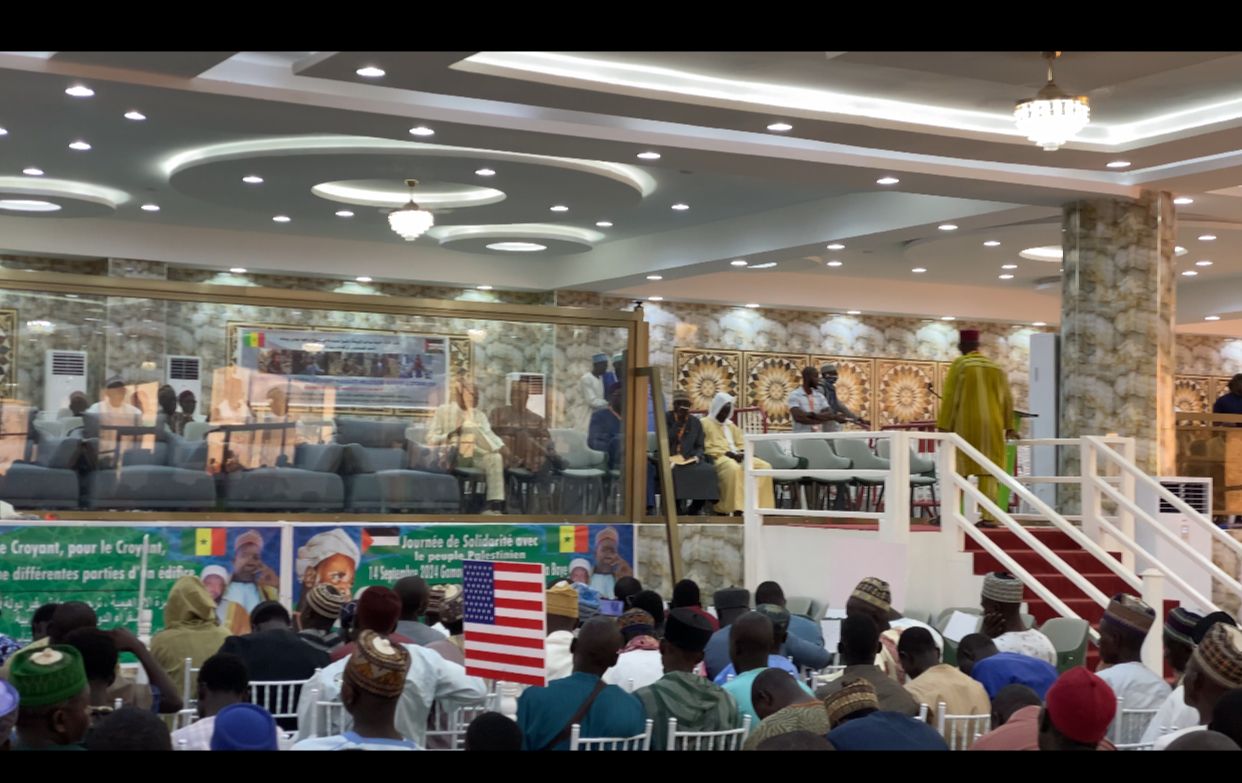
(64, 372)
(1196, 492)
(537, 402)
(182, 373)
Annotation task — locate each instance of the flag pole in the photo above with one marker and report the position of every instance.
(144, 614)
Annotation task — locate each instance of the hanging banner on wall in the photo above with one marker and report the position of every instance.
(45, 563)
(354, 557)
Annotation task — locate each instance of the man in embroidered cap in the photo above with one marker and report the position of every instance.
(858, 723)
(321, 607)
(1002, 619)
(1179, 644)
(783, 707)
(253, 581)
(639, 663)
(54, 709)
(1215, 668)
(873, 598)
(977, 404)
(1123, 628)
(562, 609)
(374, 679)
(1077, 712)
(694, 478)
(696, 703)
(328, 558)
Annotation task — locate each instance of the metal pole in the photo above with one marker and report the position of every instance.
(666, 473)
(1153, 596)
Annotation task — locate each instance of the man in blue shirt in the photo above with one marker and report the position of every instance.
(800, 627)
(779, 616)
(858, 723)
(750, 649)
(978, 657)
(546, 715)
(716, 656)
(1231, 402)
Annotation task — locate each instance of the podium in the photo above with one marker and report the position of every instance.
(1210, 445)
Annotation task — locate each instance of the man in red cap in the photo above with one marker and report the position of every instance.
(1077, 712)
(379, 610)
(978, 405)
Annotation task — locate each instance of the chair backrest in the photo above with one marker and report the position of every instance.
(770, 452)
(859, 454)
(806, 606)
(196, 430)
(960, 731)
(819, 455)
(1129, 726)
(653, 443)
(828, 673)
(189, 694)
(416, 433)
(729, 739)
(279, 697)
(52, 427)
(451, 723)
(326, 718)
(572, 445)
(1069, 638)
(919, 463)
(637, 742)
(184, 718)
(923, 711)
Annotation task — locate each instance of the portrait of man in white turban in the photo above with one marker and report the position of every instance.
(328, 558)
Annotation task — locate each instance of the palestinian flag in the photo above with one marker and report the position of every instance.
(211, 541)
(572, 538)
(382, 537)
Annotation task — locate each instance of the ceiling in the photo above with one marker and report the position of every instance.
(565, 129)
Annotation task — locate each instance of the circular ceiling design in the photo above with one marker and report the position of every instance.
(527, 239)
(394, 193)
(31, 197)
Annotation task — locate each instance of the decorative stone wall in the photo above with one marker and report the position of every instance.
(711, 556)
(1227, 561)
(1201, 354)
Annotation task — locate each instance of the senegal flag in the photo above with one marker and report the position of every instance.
(255, 340)
(210, 541)
(573, 538)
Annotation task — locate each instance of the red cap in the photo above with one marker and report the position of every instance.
(379, 609)
(1081, 705)
(969, 335)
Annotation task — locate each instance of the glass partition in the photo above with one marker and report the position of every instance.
(135, 396)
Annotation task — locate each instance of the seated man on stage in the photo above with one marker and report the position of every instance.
(466, 440)
(723, 442)
(527, 442)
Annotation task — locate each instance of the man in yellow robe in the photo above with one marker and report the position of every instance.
(723, 442)
(978, 405)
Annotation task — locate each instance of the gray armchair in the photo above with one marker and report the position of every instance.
(583, 478)
(144, 468)
(378, 475)
(311, 483)
(45, 474)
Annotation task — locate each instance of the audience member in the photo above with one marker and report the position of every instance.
(1215, 668)
(1015, 720)
(697, 703)
(547, 714)
(731, 603)
(625, 587)
(379, 610)
(223, 681)
(40, 620)
(686, 596)
(1122, 630)
(272, 651)
(651, 602)
(1002, 619)
(802, 629)
(752, 647)
(780, 634)
(639, 663)
(99, 660)
(1179, 644)
(1227, 717)
(415, 596)
(190, 629)
(783, 707)
(978, 657)
(1077, 712)
(245, 726)
(54, 699)
(858, 723)
(932, 682)
(323, 605)
(129, 729)
(562, 609)
(795, 740)
(493, 731)
(859, 645)
(873, 598)
(374, 680)
(1203, 740)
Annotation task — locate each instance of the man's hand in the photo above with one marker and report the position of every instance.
(993, 624)
(124, 640)
(1011, 435)
(733, 455)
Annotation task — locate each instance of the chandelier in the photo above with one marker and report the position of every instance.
(1052, 117)
(411, 221)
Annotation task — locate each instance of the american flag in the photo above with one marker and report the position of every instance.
(505, 621)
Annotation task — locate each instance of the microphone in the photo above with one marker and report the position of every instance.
(931, 387)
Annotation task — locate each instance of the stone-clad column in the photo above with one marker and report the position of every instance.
(1117, 311)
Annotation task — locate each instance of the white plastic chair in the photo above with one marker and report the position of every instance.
(184, 718)
(729, 739)
(326, 718)
(923, 710)
(279, 697)
(1128, 728)
(189, 694)
(637, 742)
(451, 724)
(960, 731)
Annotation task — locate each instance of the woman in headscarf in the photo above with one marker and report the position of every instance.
(190, 631)
(723, 442)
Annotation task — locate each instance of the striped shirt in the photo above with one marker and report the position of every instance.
(696, 703)
(809, 716)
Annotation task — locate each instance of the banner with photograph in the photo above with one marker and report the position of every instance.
(344, 369)
(45, 563)
(354, 557)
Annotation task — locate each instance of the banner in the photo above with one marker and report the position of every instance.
(346, 369)
(354, 557)
(45, 563)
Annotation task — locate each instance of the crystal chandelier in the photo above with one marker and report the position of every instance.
(1052, 117)
(411, 221)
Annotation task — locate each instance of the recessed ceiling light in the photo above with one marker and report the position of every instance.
(1204, 262)
(79, 145)
(834, 263)
(485, 172)
(836, 246)
(281, 218)
(604, 223)
(765, 265)
(28, 205)
(947, 227)
(421, 130)
(252, 179)
(918, 270)
(150, 207)
(991, 243)
(1189, 273)
(370, 72)
(559, 208)
(948, 318)
(752, 305)
(1119, 164)
(238, 270)
(681, 207)
(1039, 323)
(853, 312)
(344, 213)
(32, 171)
(648, 156)
(780, 127)
(655, 277)
(1005, 276)
(80, 91)
(517, 247)
(1211, 317)
(136, 116)
(484, 287)
(1009, 266)
(3, 132)
(1183, 200)
(738, 262)
(655, 299)
(363, 279)
(1208, 238)
(887, 181)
